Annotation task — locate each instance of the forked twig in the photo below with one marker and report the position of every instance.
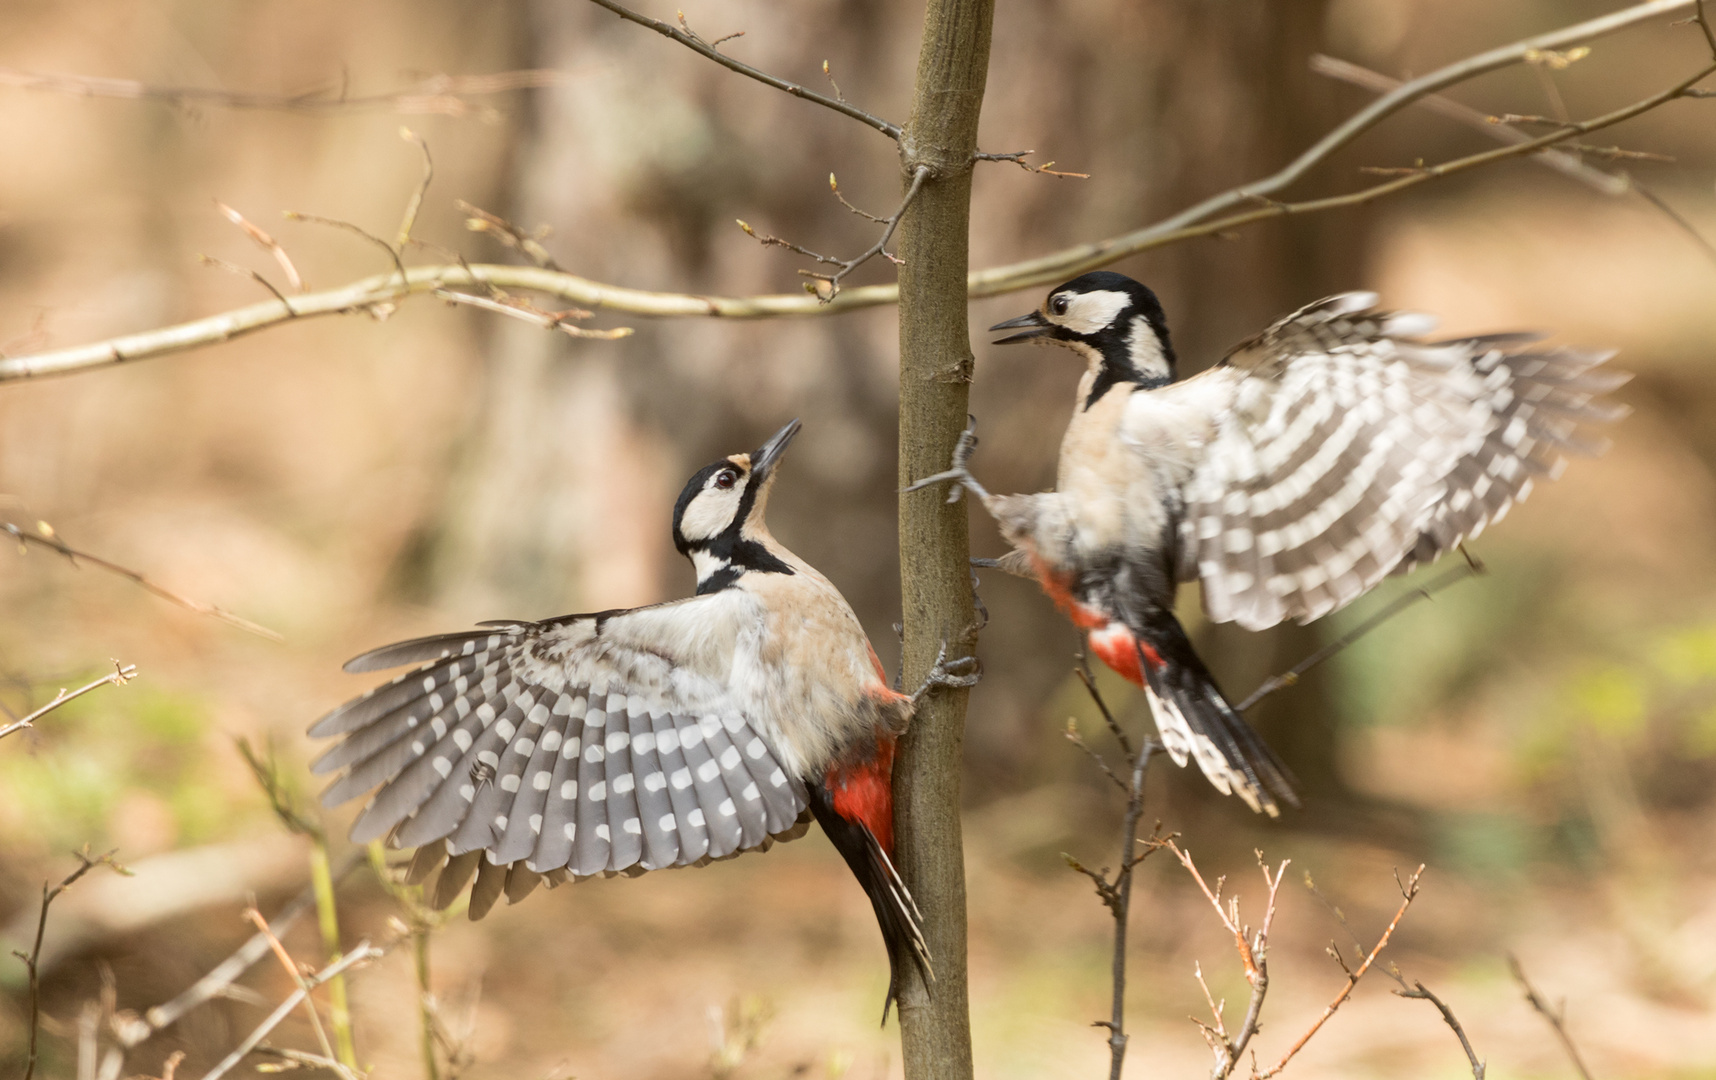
(1409, 892)
(32, 961)
(266, 242)
(119, 676)
(1017, 157)
(827, 286)
(363, 953)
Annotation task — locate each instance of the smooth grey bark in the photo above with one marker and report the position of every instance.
(935, 578)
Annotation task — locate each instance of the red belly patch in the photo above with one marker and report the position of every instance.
(865, 793)
(1119, 648)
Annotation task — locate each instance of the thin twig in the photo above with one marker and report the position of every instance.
(297, 976)
(363, 953)
(1557, 1017)
(828, 286)
(685, 37)
(1419, 992)
(224, 974)
(416, 202)
(1193, 222)
(119, 676)
(510, 235)
(356, 230)
(1498, 127)
(45, 536)
(1017, 157)
(1409, 892)
(1116, 893)
(266, 242)
(441, 95)
(245, 271)
(1472, 567)
(32, 961)
(548, 320)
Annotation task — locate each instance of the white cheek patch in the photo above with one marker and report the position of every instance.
(1092, 311)
(706, 565)
(709, 513)
(1146, 349)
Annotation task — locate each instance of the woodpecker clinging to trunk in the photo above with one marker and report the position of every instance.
(632, 740)
(1314, 460)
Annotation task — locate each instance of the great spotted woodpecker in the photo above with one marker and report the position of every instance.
(632, 740)
(1333, 449)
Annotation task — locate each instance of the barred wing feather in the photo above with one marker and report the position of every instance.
(1350, 449)
(561, 749)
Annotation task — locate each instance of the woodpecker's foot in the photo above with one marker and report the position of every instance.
(960, 674)
(958, 473)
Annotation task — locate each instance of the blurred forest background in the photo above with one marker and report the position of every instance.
(1543, 737)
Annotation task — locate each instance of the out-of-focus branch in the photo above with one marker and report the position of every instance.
(684, 35)
(121, 674)
(442, 95)
(1557, 1016)
(1409, 893)
(223, 975)
(1419, 992)
(1497, 127)
(827, 286)
(377, 294)
(1472, 567)
(363, 953)
(45, 536)
(32, 960)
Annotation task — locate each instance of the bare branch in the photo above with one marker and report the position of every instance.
(364, 953)
(218, 980)
(1557, 1016)
(32, 962)
(1418, 991)
(1500, 128)
(121, 674)
(685, 37)
(1472, 567)
(828, 285)
(356, 230)
(441, 95)
(244, 271)
(45, 536)
(1197, 221)
(1409, 892)
(1017, 157)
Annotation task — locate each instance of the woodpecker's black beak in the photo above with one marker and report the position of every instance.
(765, 457)
(1030, 327)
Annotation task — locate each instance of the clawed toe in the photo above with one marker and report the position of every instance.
(960, 673)
(958, 473)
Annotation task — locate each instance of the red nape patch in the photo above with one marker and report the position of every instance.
(1119, 648)
(865, 793)
(1058, 584)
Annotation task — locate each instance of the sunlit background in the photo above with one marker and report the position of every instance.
(1543, 737)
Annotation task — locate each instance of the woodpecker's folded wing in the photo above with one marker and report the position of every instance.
(1347, 449)
(578, 746)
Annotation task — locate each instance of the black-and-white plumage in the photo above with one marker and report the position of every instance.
(634, 740)
(1333, 449)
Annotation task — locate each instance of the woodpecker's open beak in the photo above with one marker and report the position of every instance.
(1030, 327)
(765, 457)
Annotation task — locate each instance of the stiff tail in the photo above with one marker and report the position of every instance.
(896, 912)
(1194, 719)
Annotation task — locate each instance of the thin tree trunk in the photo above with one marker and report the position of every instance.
(935, 582)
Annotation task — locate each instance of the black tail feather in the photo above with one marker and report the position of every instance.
(896, 912)
(1196, 721)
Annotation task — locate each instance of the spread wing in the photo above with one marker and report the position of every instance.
(1348, 449)
(590, 744)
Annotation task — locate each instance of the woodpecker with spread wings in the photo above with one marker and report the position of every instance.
(1333, 449)
(634, 740)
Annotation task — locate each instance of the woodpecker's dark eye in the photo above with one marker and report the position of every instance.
(1058, 305)
(726, 478)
